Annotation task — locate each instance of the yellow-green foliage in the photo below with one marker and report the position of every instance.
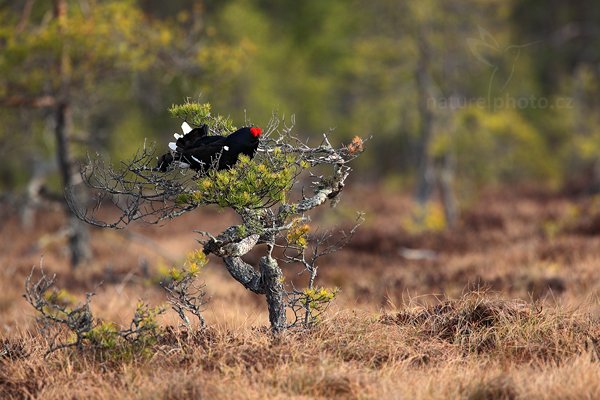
(582, 133)
(60, 297)
(587, 146)
(297, 234)
(320, 294)
(104, 335)
(129, 132)
(200, 114)
(553, 227)
(496, 146)
(195, 261)
(428, 218)
(114, 343)
(60, 303)
(317, 299)
(108, 33)
(249, 184)
(145, 320)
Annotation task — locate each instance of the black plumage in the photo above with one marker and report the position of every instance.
(200, 151)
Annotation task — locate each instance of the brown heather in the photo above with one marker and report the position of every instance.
(507, 309)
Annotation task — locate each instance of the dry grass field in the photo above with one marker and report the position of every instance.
(504, 306)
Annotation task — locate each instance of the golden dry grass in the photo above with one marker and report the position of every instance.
(400, 329)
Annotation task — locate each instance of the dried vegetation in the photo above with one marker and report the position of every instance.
(504, 307)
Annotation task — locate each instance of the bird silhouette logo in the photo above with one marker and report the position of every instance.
(501, 59)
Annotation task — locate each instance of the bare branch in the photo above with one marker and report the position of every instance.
(137, 190)
(185, 295)
(57, 309)
(52, 308)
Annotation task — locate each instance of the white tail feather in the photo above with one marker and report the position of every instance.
(186, 128)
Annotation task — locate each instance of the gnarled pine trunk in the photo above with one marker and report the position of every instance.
(268, 281)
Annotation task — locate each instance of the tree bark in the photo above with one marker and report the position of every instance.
(447, 169)
(447, 189)
(78, 238)
(425, 173)
(273, 286)
(78, 241)
(268, 282)
(244, 273)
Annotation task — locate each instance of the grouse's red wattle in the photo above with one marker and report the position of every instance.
(199, 151)
(255, 131)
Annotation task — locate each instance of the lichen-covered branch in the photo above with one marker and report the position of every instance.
(272, 282)
(268, 281)
(327, 191)
(244, 273)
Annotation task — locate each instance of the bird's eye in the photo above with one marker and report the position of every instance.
(255, 131)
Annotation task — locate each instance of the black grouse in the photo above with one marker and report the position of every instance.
(197, 150)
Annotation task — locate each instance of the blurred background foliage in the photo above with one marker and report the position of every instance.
(487, 92)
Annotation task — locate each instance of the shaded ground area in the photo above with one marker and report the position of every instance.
(503, 306)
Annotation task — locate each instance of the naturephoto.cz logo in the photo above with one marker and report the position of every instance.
(503, 102)
(502, 63)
